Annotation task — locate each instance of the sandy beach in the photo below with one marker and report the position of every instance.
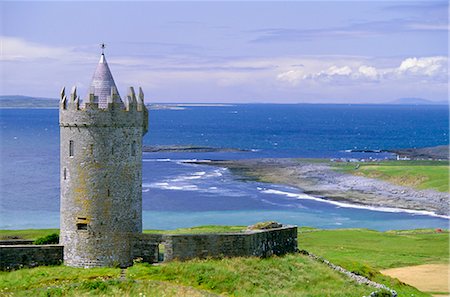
(320, 180)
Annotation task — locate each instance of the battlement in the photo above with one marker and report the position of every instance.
(74, 113)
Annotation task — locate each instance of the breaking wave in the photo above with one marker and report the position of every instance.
(349, 205)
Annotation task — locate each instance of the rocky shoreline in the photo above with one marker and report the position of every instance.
(187, 149)
(320, 180)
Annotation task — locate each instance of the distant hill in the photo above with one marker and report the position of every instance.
(417, 101)
(18, 101)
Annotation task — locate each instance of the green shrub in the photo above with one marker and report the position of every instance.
(49, 239)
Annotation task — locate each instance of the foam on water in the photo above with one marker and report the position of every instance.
(348, 205)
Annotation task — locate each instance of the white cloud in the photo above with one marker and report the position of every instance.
(14, 49)
(432, 69)
(368, 72)
(334, 70)
(292, 76)
(428, 66)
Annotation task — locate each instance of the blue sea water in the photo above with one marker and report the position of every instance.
(178, 194)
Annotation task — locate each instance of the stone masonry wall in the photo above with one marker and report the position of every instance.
(146, 248)
(17, 256)
(101, 183)
(259, 243)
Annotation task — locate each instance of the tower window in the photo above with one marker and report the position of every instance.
(133, 148)
(81, 226)
(65, 173)
(71, 148)
(81, 223)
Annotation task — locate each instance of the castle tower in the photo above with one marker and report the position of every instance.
(101, 172)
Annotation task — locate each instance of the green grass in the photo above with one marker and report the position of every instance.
(291, 275)
(31, 234)
(417, 174)
(379, 250)
(364, 252)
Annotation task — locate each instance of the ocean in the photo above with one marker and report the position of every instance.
(179, 194)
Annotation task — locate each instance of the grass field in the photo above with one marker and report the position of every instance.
(417, 174)
(30, 234)
(363, 251)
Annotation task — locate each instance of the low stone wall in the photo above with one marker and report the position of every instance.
(16, 241)
(17, 256)
(260, 243)
(145, 247)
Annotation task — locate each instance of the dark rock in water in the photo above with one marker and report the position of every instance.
(187, 149)
(440, 152)
(365, 151)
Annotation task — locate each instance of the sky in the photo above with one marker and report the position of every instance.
(230, 52)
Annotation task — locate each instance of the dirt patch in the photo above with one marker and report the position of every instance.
(432, 278)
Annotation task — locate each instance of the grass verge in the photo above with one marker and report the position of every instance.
(417, 174)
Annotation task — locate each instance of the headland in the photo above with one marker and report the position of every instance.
(323, 180)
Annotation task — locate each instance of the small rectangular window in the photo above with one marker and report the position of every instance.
(65, 173)
(81, 226)
(108, 193)
(71, 149)
(91, 149)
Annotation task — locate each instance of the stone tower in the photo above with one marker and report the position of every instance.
(101, 172)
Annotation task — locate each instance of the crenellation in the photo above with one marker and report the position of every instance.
(74, 101)
(63, 100)
(140, 101)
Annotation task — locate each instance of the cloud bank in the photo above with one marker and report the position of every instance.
(425, 69)
(202, 78)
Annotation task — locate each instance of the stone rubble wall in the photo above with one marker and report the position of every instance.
(259, 243)
(145, 249)
(16, 241)
(357, 278)
(18, 256)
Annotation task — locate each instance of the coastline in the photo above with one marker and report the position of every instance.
(320, 181)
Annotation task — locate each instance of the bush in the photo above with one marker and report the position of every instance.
(265, 225)
(49, 239)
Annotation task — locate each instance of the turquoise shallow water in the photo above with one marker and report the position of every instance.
(182, 195)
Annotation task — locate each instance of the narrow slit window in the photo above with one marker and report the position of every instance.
(91, 149)
(65, 173)
(109, 193)
(71, 148)
(112, 150)
(133, 148)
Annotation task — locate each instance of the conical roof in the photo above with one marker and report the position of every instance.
(102, 82)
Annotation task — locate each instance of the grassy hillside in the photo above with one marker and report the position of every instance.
(417, 174)
(363, 251)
